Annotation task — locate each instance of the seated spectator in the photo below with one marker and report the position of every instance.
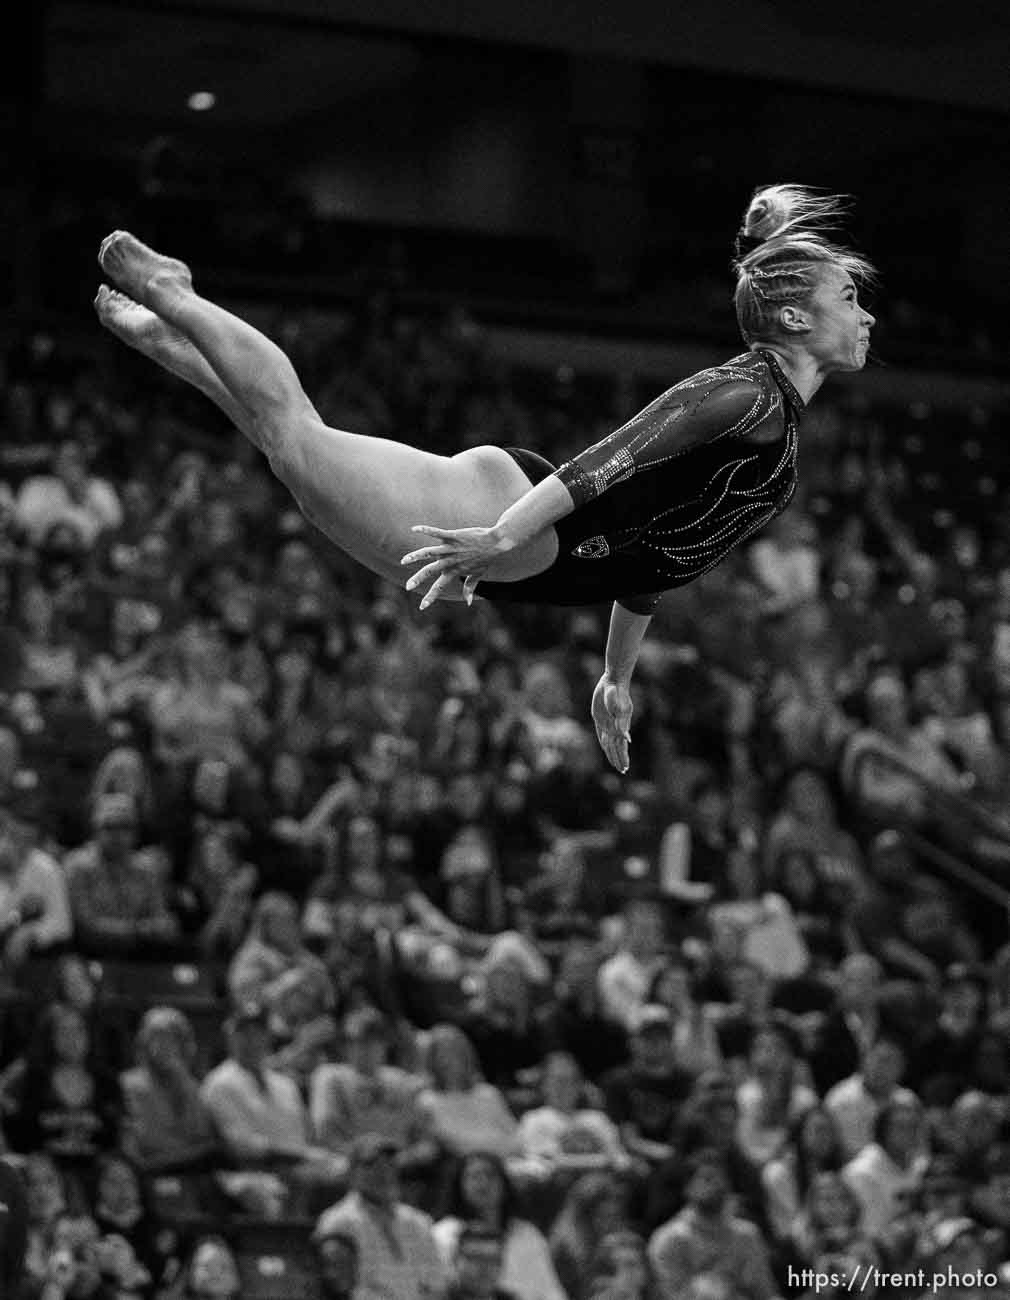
(460, 1112)
(166, 1125)
(943, 1060)
(708, 1120)
(70, 494)
(575, 1020)
(258, 1113)
(809, 821)
(483, 1194)
(478, 1269)
(124, 770)
(48, 1199)
(643, 1097)
(814, 1146)
(201, 713)
(211, 1272)
(772, 1094)
(273, 946)
(974, 1127)
(755, 924)
(363, 1094)
(339, 1264)
(593, 1208)
(855, 1102)
(695, 1041)
(302, 1025)
(505, 1032)
(851, 1025)
(398, 1258)
(625, 979)
(214, 902)
(620, 1269)
(706, 1238)
(557, 901)
(882, 791)
(565, 1133)
(883, 920)
(34, 907)
(943, 1194)
(891, 1167)
(120, 1211)
(69, 1100)
(117, 894)
(830, 1219)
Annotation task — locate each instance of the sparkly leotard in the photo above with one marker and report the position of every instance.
(668, 495)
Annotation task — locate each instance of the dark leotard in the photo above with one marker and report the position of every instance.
(667, 496)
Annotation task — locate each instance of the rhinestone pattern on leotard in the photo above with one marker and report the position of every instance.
(667, 496)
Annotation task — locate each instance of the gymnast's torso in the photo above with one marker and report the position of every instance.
(667, 496)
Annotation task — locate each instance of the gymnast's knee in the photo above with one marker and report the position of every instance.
(285, 435)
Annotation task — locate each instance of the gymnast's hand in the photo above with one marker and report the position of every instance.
(612, 715)
(463, 553)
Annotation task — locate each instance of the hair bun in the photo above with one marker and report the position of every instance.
(775, 210)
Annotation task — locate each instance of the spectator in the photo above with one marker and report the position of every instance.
(575, 1020)
(257, 1112)
(460, 1112)
(211, 1272)
(625, 979)
(593, 1208)
(851, 1025)
(565, 1133)
(166, 1125)
(506, 1034)
(69, 1099)
(706, 1238)
(69, 495)
(483, 1195)
(339, 1264)
(398, 1258)
(116, 894)
(34, 907)
(772, 1095)
(943, 1062)
(200, 713)
(855, 1102)
(643, 1097)
(273, 946)
(364, 1094)
(890, 1167)
(302, 1023)
(695, 1041)
(478, 1269)
(121, 1213)
(830, 1222)
(814, 1147)
(883, 791)
(620, 1269)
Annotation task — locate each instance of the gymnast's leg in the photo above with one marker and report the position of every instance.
(364, 493)
(148, 334)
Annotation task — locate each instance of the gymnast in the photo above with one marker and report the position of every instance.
(650, 507)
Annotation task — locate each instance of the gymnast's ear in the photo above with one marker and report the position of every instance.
(794, 320)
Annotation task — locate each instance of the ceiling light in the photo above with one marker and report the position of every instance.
(201, 100)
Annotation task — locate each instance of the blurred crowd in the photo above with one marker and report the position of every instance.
(336, 962)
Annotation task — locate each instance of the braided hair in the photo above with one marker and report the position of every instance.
(779, 250)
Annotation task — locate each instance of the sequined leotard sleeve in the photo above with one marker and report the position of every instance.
(669, 494)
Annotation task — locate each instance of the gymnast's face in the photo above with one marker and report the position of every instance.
(838, 328)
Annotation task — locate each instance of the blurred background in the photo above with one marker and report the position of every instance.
(314, 909)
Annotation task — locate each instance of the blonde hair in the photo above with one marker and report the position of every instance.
(780, 252)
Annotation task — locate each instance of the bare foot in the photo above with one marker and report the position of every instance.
(139, 271)
(134, 324)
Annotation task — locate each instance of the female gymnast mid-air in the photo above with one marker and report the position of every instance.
(654, 505)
